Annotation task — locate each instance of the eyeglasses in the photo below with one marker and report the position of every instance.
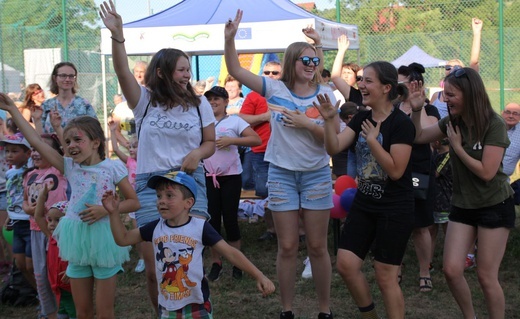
(272, 72)
(307, 60)
(64, 76)
(359, 78)
(508, 112)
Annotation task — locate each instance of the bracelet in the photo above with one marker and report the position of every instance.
(419, 110)
(117, 40)
(320, 46)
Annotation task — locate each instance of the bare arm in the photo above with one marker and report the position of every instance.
(426, 130)
(334, 142)
(476, 25)
(30, 134)
(337, 67)
(114, 23)
(205, 150)
(113, 140)
(247, 138)
(251, 80)
(237, 258)
(314, 36)
(122, 236)
(487, 167)
(256, 119)
(39, 211)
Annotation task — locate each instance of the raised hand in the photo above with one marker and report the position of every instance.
(110, 202)
(6, 103)
(416, 95)
(326, 109)
(55, 117)
(343, 43)
(111, 19)
(312, 34)
(232, 26)
(476, 25)
(112, 125)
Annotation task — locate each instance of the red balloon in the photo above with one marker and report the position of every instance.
(337, 211)
(342, 183)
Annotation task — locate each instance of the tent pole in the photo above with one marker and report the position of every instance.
(197, 74)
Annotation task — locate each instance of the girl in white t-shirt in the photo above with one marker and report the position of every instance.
(175, 127)
(223, 177)
(299, 176)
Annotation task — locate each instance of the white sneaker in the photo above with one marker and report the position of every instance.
(140, 266)
(307, 271)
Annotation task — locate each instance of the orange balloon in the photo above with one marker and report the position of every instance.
(342, 183)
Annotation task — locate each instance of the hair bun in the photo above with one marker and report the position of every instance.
(416, 67)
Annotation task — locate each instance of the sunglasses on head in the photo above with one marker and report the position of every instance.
(307, 60)
(460, 72)
(271, 72)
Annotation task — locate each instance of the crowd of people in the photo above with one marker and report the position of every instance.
(193, 147)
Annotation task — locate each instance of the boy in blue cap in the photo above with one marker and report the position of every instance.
(178, 241)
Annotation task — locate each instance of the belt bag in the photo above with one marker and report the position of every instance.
(420, 185)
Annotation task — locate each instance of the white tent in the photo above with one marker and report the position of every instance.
(416, 54)
(197, 27)
(10, 79)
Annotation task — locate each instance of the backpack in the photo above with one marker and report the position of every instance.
(16, 291)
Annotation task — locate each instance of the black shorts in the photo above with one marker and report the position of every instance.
(496, 216)
(389, 230)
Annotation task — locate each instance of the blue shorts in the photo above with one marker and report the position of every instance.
(148, 197)
(3, 200)
(22, 238)
(77, 271)
(260, 169)
(290, 190)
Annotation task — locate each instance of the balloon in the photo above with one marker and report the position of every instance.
(342, 183)
(337, 211)
(347, 198)
(8, 235)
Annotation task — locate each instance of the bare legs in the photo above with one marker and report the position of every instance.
(316, 225)
(492, 244)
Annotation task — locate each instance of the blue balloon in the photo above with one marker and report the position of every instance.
(347, 198)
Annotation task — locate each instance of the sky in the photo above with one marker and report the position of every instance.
(132, 10)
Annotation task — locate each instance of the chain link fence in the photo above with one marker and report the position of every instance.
(34, 36)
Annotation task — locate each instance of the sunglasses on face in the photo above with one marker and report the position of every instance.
(448, 67)
(64, 76)
(37, 92)
(359, 78)
(307, 60)
(271, 72)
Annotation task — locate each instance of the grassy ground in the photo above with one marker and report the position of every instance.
(240, 299)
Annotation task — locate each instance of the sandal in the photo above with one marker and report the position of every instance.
(425, 284)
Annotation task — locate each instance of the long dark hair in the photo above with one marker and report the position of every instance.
(477, 106)
(163, 90)
(387, 74)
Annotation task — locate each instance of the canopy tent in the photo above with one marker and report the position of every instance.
(416, 54)
(197, 27)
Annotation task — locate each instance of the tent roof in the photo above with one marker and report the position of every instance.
(189, 12)
(416, 54)
(197, 27)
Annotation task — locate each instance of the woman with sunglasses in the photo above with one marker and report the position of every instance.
(299, 174)
(437, 98)
(482, 203)
(34, 97)
(383, 208)
(69, 105)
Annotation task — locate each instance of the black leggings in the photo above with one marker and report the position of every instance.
(223, 204)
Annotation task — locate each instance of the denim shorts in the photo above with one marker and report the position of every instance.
(260, 169)
(148, 197)
(22, 238)
(77, 271)
(290, 190)
(3, 200)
